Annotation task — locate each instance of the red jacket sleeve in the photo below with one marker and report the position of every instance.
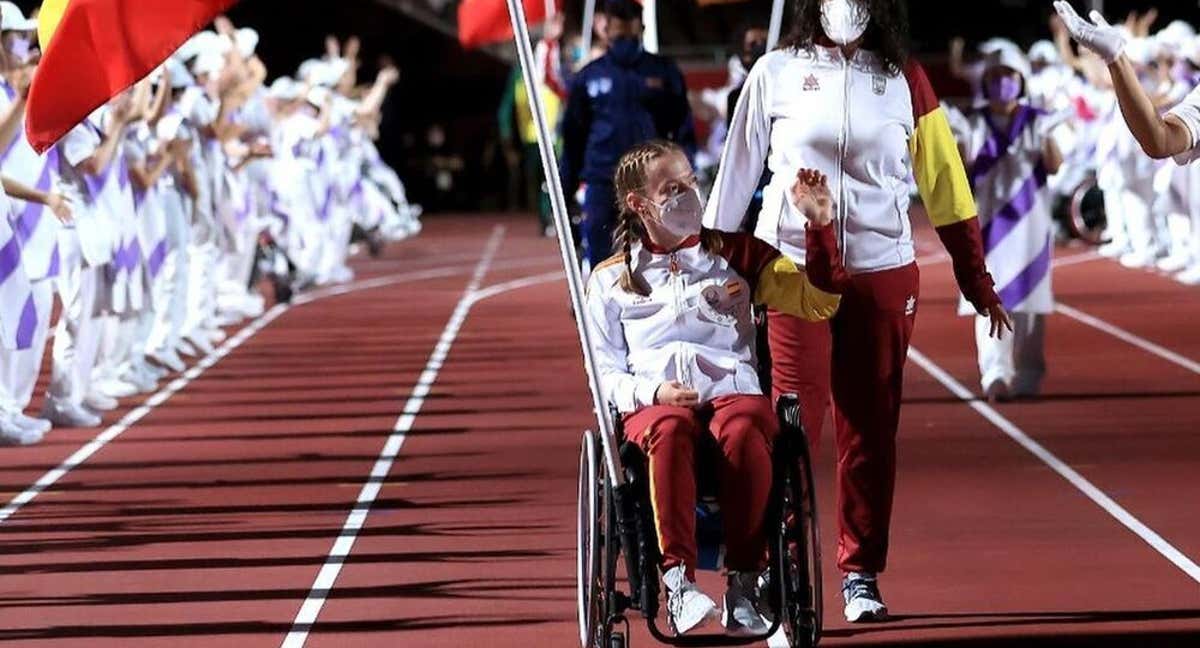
(824, 263)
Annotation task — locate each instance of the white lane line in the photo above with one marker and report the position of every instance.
(327, 576)
(1077, 480)
(516, 284)
(138, 413)
(1130, 338)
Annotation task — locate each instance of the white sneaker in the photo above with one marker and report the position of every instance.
(140, 377)
(1139, 260)
(69, 415)
(41, 426)
(1190, 277)
(863, 601)
(13, 434)
(185, 348)
(199, 340)
(215, 335)
(100, 402)
(741, 617)
(1173, 263)
(169, 359)
(114, 388)
(688, 608)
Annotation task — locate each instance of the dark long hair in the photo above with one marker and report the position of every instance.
(886, 36)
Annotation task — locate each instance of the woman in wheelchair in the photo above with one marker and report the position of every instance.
(675, 347)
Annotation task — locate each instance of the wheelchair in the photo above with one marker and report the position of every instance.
(617, 522)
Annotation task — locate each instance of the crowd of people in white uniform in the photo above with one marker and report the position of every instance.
(1152, 207)
(156, 219)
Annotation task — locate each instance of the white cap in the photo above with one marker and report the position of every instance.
(180, 77)
(1045, 52)
(246, 40)
(328, 72)
(1011, 59)
(1142, 50)
(319, 96)
(205, 41)
(996, 44)
(209, 63)
(13, 19)
(285, 88)
(307, 69)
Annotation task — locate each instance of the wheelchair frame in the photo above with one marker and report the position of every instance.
(617, 521)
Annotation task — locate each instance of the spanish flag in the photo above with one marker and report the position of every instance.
(92, 50)
(483, 22)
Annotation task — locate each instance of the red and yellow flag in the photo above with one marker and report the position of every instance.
(482, 22)
(92, 50)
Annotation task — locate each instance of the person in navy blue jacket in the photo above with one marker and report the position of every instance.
(625, 97)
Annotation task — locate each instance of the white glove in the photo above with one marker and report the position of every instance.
(1099, 36)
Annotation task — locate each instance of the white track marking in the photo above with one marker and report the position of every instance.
(327, 576)
(516, 284)
(110, 433)
(138, 413)
(1077, 480)
(1130, 338)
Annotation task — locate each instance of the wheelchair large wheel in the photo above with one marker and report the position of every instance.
(802, 554)
(593, 574)
(1085, 211)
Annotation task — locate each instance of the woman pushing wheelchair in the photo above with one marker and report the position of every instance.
(675, 348)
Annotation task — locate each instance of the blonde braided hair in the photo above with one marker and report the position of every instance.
(630, 177)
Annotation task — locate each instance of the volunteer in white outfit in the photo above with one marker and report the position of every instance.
(30, 235)
(1009, 156)
(177, 189)
(84, 248)
(1176, 134)
(114, 375)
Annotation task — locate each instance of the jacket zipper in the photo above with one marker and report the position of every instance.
(842, 145)
(681, 360)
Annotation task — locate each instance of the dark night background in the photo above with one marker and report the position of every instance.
(441, 84)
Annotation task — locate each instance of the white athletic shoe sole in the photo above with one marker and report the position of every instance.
(861, 611)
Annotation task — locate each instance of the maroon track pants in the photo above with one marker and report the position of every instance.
(745, 428)
(865, 370)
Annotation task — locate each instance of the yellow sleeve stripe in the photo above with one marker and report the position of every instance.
(941, 178)
(785, 287)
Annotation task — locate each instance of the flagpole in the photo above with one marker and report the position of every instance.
(776, 24)
(589, 24)
(566, 244)
(650, 20)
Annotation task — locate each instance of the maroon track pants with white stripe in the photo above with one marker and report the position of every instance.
(745, 428)
(865, 369)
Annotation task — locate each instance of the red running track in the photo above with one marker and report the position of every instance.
(208, 520)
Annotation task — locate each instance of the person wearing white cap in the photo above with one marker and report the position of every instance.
(36, 231)
(1009, 157)
(972, 72)
(1173, 135)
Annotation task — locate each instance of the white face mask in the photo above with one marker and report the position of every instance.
(682, 213)
(844, 21)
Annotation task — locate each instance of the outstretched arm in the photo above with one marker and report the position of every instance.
(1159, 137)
